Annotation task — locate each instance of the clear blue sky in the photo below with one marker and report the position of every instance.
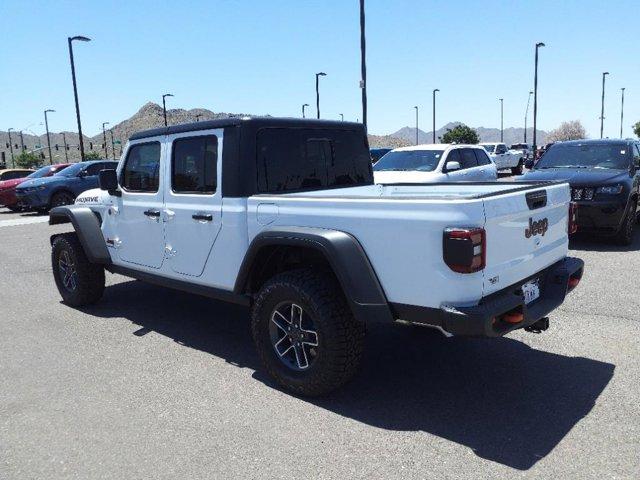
(258, 56)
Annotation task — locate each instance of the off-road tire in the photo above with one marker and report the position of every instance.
(625, 235)
(340, 335)
(519, 170)
(89, 284)
(62, 198)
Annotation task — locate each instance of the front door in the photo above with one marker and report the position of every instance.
(138, 220)
(193, 199)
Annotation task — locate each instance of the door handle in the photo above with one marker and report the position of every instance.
(152, 213)
(202, 217)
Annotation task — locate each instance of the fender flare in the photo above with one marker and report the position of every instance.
(87, 227)
(344, 254)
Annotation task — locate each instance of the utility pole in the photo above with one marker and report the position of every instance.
(13, 162)
(46, 124)
(164, 107)
(75, 88)
(621, 111)
(104, 139)
(318, 75)
(535, 99)
(363, 64)
(604, 76)
(416, 107)
(66, 153)
(526, 114)
(113, 144)
(434, 114)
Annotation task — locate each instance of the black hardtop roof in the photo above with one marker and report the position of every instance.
(253, 122)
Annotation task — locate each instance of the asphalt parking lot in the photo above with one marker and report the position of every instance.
(152, 383)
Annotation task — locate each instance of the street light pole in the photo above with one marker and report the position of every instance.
(416, 124)
(66, 153)
(363, 64)
(502, 119)
(535, 98)
(342, 117)
(75, 88)
(46, 124)
(303, 107)
(318, 75)
(621, 111)
(13, 162)
(113, 144)
(164, 107)
(604, 75)
(104, 138)
(526, 114)
(434, 114)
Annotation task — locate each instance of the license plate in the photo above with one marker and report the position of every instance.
(531, 291)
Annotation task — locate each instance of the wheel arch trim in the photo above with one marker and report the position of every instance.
(87, 227)
(344, 254)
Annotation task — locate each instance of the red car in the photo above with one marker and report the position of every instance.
(8, 187)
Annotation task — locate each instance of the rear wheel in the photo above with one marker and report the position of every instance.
(519, 170)
(79, 281)
(625, 235)
(305, 333)
(62, 198)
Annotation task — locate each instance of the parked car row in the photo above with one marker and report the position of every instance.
(52, 186)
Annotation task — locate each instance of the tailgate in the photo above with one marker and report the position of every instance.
(526, 232)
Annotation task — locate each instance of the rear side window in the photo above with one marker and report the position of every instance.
(307, 159)
(14, 175)
(481, 157)
(141, 170)
(95, 168)
(194, 165)
(468, 159)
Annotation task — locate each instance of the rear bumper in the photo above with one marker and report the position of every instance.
(8, 197)
(484, 319)
(600, 217)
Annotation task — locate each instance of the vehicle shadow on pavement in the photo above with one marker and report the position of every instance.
(508, 402)
(599, 244)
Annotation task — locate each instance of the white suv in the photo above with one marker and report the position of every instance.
(435, 163)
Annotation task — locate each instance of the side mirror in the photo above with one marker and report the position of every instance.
(108, 180)
(452, 166)
(528, 163)
(82, 173)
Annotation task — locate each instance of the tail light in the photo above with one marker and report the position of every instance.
(465, 249)
(573, 221)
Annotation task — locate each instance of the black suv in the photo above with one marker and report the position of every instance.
(604, 176)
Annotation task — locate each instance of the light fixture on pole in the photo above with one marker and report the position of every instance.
(304, 105)
(604, 76)
(318, 75)
(535, 98)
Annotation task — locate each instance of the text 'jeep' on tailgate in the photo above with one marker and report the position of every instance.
(282, 215)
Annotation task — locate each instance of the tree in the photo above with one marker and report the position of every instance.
(92, 156)
(572, 130)
(636, 129)
(28, 160)
(460, 134)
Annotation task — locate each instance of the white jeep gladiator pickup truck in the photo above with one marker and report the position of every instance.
(505, 158)
(282, 215)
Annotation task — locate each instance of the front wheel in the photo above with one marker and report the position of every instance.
(305, 333)
(625, 235)
(79, 281)
(62, 198)
(519, 169)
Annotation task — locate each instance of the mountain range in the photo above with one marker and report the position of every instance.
(150, 116)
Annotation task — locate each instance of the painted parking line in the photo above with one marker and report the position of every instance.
(14, 222)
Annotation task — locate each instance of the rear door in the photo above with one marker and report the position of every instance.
(488, 170)
(526, 232)
(193, 199)
(470, 162)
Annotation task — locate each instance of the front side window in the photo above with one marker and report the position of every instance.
(407, 160)
(141, 172)
(468, 159)
(489, 148)
(194, 165)
(481, 157)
